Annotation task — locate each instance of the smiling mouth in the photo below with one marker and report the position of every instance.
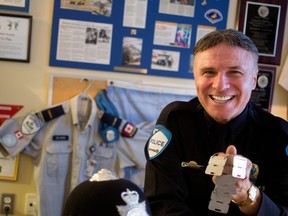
(221, 99)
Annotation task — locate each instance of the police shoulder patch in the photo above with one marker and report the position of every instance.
(158, 141)
(31, 124)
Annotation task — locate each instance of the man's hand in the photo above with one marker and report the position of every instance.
(242, 185)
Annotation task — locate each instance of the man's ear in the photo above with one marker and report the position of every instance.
(255, 80)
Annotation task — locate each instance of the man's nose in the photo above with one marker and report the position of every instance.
(221, 82)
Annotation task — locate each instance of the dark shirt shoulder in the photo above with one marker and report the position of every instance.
(266, 119)
(176, 106)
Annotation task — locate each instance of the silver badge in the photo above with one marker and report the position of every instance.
(133, 207)
(103, 175)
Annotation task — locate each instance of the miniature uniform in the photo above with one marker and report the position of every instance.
(59, 145)
(184, 132)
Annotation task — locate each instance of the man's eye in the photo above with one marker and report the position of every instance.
(235, 73)
(209, 73)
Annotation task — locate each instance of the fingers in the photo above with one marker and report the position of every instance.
(214, 179)
(241, 173)
(231, 149)
(242, 187)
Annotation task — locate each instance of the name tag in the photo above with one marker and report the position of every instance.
(60, 138)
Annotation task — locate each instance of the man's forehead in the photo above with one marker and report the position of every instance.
(224, 53)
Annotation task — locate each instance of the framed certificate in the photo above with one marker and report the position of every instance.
(8, 167)
(15, 37)
(264, 21)
(16, 5)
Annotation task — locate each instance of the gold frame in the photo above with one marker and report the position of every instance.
(10, 166)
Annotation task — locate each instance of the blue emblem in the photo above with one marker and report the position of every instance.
(213, 16)
(287, 150)
(158, 141)
(9, 140)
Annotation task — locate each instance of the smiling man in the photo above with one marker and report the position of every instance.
(225, 76)
(220, 123)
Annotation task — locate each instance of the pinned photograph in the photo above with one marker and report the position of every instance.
(131, 51)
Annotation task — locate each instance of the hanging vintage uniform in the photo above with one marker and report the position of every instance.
(58, 139)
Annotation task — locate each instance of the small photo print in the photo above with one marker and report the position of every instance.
(165, 60)
(131, 51)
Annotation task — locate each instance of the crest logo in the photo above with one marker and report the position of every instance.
(133, 207)
(31, 124)
(159, 140)
(213, 16)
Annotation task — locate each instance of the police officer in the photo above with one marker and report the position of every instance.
(220, 120)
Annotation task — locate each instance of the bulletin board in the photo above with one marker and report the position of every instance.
(148, 37)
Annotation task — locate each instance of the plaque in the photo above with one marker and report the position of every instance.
(264, 21)
(263, 93)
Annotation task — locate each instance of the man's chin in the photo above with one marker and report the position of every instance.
(221, 117)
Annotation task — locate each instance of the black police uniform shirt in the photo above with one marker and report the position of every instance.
(257, 135)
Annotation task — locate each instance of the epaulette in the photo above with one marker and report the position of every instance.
(108, 132)
(127, 129)
(51, 113)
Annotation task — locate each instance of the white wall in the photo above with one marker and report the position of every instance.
(27, 84)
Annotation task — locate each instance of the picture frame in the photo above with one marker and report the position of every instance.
(15, 37)
(264, 22)
(15, 5)
(8, 167)
(262, 95)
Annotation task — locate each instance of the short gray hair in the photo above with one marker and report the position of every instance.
(231, 37)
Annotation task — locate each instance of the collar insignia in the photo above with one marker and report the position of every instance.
(193, 165)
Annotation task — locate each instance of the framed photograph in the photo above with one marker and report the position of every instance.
(8, 167)
(262, 95)
(15, 5)
(15, 37)
(264, 21)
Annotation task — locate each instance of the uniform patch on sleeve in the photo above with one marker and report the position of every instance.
(31, 124)
(287, 150)
(158, 141)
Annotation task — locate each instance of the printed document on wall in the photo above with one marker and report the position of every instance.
(88, 42)
(135, 12)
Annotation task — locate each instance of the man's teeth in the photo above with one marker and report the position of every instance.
(222, 98)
